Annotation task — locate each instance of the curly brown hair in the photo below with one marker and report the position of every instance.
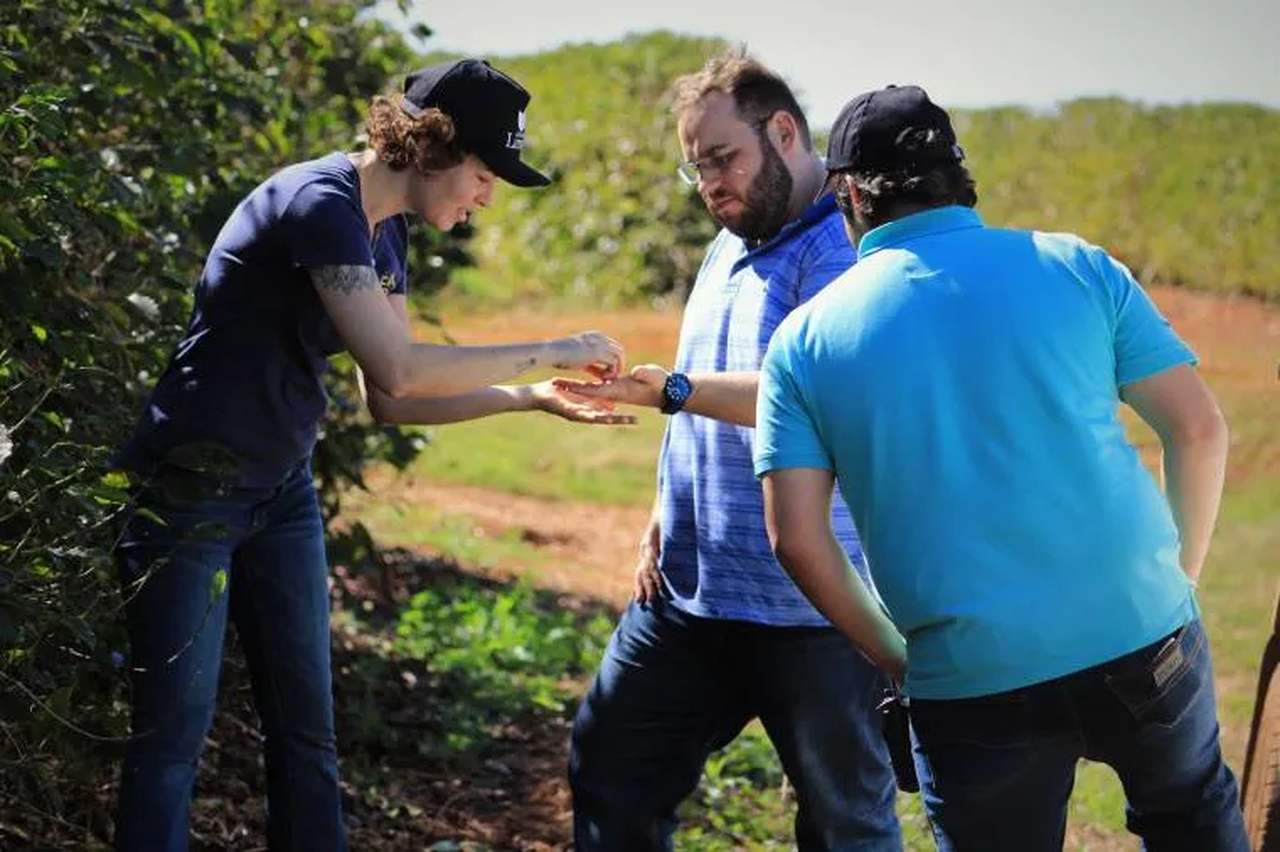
(428, 143)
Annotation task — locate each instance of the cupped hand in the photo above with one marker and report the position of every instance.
(592, 351)
(642, 386)
(547, 398)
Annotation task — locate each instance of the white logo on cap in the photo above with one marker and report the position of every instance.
(515, 141)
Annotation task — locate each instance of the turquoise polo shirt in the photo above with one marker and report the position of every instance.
(963, 382)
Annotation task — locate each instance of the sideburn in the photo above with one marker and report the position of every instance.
(769, 195)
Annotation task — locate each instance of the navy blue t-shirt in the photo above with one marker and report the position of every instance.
(248, 375)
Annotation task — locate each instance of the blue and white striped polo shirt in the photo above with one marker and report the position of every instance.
(716, 559)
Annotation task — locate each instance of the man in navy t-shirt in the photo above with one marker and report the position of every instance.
(312, 262)
(248, 375)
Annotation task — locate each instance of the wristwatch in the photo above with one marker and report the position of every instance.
(676, 391)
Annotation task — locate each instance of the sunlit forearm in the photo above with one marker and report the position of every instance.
(1179, 406)
(821, 569)
(730, 397)
(374, 329)
(496, 399)
(1194, 470)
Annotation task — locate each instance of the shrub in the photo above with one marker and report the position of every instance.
(130, 130)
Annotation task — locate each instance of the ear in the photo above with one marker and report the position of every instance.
(786, 130)
(854, 195)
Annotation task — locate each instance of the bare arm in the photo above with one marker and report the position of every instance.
(1179, 406)
(797, 511)
(380, 343)
(730, 396)
(480, 403)
(495, 399)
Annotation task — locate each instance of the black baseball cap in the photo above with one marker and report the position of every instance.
(886, 131)
(486, 106)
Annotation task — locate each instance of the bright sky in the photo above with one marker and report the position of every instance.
(974, 53)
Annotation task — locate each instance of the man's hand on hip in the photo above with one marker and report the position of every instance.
(648, 580)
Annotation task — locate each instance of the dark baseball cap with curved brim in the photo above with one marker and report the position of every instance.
(488, 109)
(885, 130)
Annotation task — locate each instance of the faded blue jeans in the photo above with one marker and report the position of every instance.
(270, 543)
(996, 771)
(673, 688)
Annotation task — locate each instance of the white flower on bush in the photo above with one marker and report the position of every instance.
(6, 443)
(145, 305)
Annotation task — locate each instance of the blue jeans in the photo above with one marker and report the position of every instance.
(270, 543)
(996, 771)
(673, 688)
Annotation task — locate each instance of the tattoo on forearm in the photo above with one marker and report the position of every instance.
(345, 279)
(526, 364)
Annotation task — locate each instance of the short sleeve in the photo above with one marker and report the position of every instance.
(786, 436)
(1145, 343)
(390, 254)
(326, 228)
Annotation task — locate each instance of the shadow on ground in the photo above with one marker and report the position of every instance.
(459, 750)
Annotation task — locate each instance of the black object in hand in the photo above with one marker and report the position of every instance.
(897, 735)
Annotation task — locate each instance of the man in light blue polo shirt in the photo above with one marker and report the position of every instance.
(718, 634)
(961, 383)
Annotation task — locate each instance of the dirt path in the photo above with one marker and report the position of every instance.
(592, 547)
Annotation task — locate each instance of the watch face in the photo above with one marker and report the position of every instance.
(675, 392)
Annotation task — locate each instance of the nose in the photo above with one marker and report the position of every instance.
(708, 178)
(485, 195)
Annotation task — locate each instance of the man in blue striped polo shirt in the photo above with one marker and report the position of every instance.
(718, 634)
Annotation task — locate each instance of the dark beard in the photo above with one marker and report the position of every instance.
(764, 210)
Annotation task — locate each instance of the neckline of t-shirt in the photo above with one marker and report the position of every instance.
(372, 230)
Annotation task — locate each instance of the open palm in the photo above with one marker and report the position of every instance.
(576, 408)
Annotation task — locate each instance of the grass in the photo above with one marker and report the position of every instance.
(541, 456)
(741, 804)
(454, 533)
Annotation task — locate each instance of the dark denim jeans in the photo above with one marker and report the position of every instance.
(996, 771)
(270, 541)
(673, 688)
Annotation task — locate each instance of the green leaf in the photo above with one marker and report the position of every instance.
(218, 584)
(39, 332)
(106, 496)
(144, 512)
(115, 479)
(190, 41)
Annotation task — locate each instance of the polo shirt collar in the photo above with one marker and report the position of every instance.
(822, 207)
(925, 223)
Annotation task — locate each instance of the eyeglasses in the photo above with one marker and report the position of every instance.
(710, 167)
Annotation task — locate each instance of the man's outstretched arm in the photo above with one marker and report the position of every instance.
(730, 396)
